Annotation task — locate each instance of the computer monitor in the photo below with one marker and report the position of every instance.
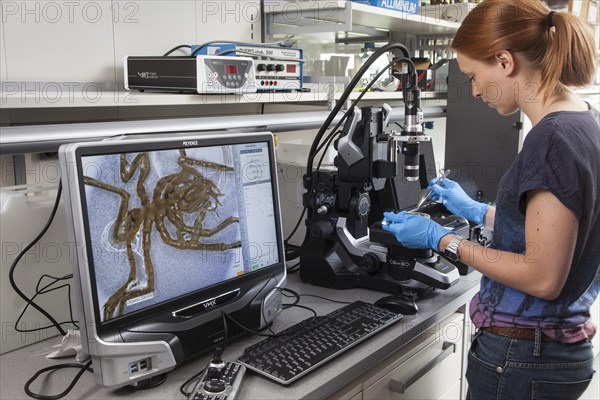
(176, 233)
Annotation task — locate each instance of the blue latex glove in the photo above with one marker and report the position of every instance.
(413, 231)
(457, 201)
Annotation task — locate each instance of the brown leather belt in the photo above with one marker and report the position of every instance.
(517, 333)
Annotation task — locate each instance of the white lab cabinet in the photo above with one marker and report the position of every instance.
(428, 367)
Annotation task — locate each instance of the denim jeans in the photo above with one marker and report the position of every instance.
(504, 368)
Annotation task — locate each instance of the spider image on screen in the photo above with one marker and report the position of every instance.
(179, 200)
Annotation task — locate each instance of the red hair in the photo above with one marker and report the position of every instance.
(559, 45)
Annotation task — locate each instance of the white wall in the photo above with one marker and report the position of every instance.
(86, 40)
(80, 45)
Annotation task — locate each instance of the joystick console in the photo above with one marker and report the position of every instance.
(220, 381)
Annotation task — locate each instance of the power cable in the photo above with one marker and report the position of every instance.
(11, 272)
(182, 46)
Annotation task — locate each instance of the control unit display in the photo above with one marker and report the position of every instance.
(275, 68)
(200, 74)
(218, 74)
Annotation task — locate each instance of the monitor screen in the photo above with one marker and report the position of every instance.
(166, 222)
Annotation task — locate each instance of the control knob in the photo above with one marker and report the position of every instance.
(322, 229)
(213, 373)
(364, 206)
(214, 386)
(370, 263)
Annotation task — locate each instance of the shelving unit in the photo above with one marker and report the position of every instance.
(355, 23)
(317, 94)
(281, 17)
(326, 16)
(55, 96)
(51, 101)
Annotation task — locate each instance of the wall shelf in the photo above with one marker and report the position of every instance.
(55, 96)
(319, 93)
(45, 138)
(330, 16)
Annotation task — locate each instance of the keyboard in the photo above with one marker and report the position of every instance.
(308, 344)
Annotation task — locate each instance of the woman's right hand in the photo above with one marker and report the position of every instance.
(457, 201)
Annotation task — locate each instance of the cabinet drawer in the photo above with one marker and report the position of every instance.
(453, 393)
(428, 374)
(350, 392)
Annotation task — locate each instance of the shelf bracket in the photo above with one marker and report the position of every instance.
(292, 19)
(367, 35)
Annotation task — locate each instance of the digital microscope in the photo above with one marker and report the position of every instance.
(342, 249)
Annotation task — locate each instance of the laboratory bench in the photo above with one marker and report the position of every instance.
(422, 355)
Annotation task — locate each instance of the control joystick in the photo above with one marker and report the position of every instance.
(214, 374)
(221, 380)
(216, 362)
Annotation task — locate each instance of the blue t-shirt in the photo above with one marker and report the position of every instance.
(561, 154)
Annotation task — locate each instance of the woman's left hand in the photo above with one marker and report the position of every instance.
(413, 231)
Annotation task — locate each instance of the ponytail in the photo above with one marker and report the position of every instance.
(569, 58)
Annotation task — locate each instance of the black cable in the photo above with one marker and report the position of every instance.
(82, 367)
(182, 46)
(296, 227)
(225, 316)
(225, 340)
(293, 269)
(30, 302)
(186, 383)
(363, 69)
(297, 328)
(320, 297)
(334, 131)
(192, 378)
(356, 101)
(151, 383)
(11, 272)
(325, 144)
(225, 327)
(193, 53)
(292, 252)
(294, 294)
(312, 152)
(45, 290)
(65, 277)
(203, 45)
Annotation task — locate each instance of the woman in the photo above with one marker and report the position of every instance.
(542, 271)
